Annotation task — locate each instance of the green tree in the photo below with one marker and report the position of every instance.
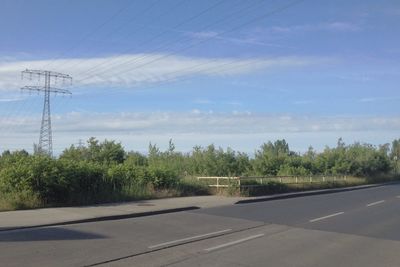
(270, 157)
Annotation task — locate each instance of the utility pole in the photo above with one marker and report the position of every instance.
(45, 140)
(81, 144)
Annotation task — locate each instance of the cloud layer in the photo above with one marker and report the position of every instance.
(139, 69)
(200, 122)
(195, 125)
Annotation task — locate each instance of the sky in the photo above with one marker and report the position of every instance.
(235, 73)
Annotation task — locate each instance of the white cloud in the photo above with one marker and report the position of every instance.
(377, 99)
(242, 130)
(203, 34)
(341, 26)
(140, 69)
(203, 101)
(202, 122)
(10, 99)
(246, 40)
(197, 121)
(336, 26)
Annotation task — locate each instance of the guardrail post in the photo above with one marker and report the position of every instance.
(323, 178)
(280, 179)
(217, 182)
(310, 179)
(296, 180)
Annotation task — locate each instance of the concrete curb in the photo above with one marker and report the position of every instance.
(307, 193)
(103, 218)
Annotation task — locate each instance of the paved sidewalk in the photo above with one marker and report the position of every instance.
(48, 216)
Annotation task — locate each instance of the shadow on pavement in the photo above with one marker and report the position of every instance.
(46, 234)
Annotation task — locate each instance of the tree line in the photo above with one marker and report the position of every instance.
(103, 171)
(270, 159)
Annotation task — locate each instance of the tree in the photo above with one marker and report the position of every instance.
(102, 152)
(270, 157)
(395, 156)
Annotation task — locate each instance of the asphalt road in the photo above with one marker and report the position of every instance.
(356, 228)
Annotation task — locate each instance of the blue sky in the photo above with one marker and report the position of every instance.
(230, 72)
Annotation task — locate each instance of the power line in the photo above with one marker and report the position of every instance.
(113, 31)
(216, 70)
(206, 39)
(91, 33)
(157, 36)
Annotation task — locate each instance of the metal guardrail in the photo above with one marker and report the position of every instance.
(225, 181)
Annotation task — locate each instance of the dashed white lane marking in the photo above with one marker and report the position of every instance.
(326, 217)
(375, 203)
(188, 238)
(398, 196)
(234, 242)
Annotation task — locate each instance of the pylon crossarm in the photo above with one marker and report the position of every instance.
(43, 89)
(46, 72)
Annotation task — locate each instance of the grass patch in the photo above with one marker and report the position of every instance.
(20, 200)
(184, 187)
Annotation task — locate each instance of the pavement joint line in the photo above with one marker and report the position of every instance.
(175, 245)
(326, 217)
(375, 203)
(234, 242)
(189, 238)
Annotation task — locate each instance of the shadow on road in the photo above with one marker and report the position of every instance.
(46, 234)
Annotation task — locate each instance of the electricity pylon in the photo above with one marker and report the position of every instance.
(45, 139)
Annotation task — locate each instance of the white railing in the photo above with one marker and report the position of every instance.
(219, 178)
(225, 181)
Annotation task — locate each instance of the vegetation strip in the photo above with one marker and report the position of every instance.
(103, 172)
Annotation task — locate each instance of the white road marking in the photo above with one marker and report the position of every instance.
(326, 217)
(234, 242)
(398, 196)
(375, 203)
(188, 238)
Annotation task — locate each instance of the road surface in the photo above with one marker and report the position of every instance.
(355, 228)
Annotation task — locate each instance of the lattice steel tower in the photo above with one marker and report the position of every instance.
(45, 140)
